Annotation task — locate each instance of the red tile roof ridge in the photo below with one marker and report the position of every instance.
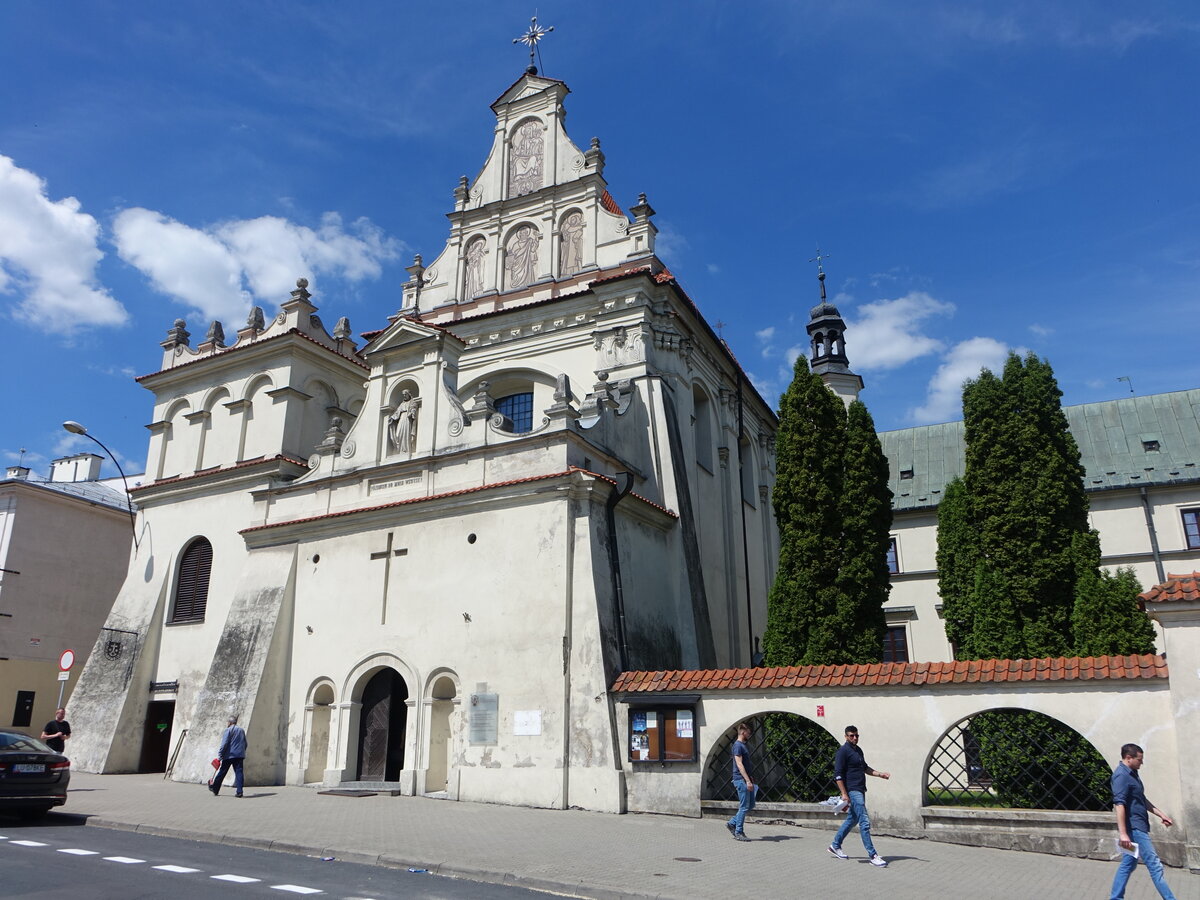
(1182, 587)
(607, 201)
(880, 674)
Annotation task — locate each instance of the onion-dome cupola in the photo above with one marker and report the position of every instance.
(827, 336)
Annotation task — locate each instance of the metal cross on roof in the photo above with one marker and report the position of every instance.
(531, 38)
(820, 269)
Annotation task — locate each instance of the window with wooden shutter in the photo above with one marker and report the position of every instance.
(191, 588)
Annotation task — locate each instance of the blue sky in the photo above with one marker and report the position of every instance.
(982, 176)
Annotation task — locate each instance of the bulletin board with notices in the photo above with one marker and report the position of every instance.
(662, 734)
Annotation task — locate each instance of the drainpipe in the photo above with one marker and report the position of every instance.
(742, 507)
(1153, 532)
(614, 565)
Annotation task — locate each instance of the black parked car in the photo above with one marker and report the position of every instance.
(33, 778)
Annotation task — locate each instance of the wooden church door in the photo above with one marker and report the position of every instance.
(381, 730)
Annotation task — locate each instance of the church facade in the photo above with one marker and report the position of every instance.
(423, 559)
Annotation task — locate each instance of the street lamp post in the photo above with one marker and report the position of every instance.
(76, 428)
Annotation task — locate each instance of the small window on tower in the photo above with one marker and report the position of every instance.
(1151, 446)
(906, 474)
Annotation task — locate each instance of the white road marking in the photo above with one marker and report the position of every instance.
(237, 879)
(295, 889)
(29, 843)
(75, 852)
(182, 870)
(123, 859)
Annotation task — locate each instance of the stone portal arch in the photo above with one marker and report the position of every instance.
(1015, 758)
(320, 712)
(382, 724)
(443, 697)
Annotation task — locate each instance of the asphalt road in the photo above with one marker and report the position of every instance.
(60, 858)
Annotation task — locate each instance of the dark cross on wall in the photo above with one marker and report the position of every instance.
(386, 555)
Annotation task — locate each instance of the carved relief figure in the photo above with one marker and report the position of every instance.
(521, 257)
(473, 280)
(570, 258)
(402, 424)
(525, 160)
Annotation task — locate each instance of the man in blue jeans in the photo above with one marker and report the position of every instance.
(1133, 824)
(232, 753)
(743, 781)
(850, 770)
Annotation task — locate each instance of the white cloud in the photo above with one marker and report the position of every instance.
(713, 269)
(669, 245)
(943, 398)
(221, 271)
(48, 256)
(886, 334)
(1041, 330)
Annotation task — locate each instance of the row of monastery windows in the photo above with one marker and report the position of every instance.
(520, 261)
(1191, 539)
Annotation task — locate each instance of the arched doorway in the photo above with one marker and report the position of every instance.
(443, 694)
(318, 734)
(381, 727)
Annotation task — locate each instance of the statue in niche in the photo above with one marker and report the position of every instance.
(570, 259)
(525, 160)
(402, 424)
(473, 280)
(521, 257)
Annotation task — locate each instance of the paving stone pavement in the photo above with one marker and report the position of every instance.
(591, 854)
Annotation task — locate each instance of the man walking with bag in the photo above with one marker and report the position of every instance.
(850, 770)
(232, 753)
(1133, 824)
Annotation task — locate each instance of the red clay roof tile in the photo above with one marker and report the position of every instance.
(1176, 589)
(1146, 666)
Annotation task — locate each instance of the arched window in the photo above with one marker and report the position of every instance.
(191, 587)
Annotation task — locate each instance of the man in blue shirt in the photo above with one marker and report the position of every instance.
(850, 770)
(232, 753)
(1133, 824)
(743, 782)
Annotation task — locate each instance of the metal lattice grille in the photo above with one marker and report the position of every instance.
(1015, 758)
(791, 756)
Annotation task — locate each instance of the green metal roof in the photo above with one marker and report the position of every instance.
(1114, 436)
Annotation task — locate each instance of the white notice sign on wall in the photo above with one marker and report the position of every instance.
(683, 723)
(527, 721)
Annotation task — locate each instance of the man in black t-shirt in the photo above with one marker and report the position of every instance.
(56, 733)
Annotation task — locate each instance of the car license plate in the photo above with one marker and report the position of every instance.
(29, 769)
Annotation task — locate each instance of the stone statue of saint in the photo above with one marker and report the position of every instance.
(521, 257)
(525, 160)
(473, 280)
(402, 424)
(570, 258)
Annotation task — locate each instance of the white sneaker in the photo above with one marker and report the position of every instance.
(837, 851)
(878, 860)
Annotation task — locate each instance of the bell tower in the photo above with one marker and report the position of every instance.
(827, 341)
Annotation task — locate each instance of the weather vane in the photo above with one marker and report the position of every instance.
(531, 38)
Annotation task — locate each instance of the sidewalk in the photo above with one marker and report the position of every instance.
(589, 854)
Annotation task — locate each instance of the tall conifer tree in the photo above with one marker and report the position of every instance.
(1018, 566)
(833, 509)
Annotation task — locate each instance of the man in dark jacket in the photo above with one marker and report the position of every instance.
(851, 771)
(1133, 824)
(232, 753)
